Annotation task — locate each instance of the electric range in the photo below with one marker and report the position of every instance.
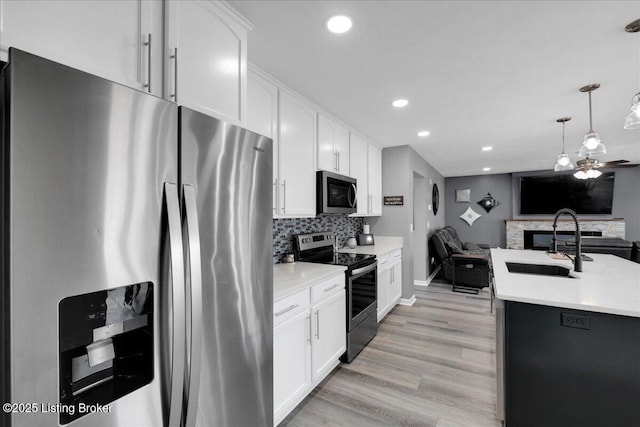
(361, 282)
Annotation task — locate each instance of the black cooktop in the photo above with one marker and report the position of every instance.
(348, 260)
(318, 247)
(334, 258)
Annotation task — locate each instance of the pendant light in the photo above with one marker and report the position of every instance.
(564, 162)
(633, 119)
(591, 145)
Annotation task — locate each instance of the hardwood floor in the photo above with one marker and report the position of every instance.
(431, 364)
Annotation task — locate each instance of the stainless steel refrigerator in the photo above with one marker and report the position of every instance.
(135, 257)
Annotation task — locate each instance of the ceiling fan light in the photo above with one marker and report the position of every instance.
(593, 173)
(563, 163)
(633, 118)
(580, 174)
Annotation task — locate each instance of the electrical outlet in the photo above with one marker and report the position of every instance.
(576, 321)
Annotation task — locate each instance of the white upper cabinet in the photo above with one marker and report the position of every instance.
(333, 146)
(262, 117)
(358, 168)
(262, 105)
(374, 175)
(206, 58)
(103, 37)
(297, 142)
(366, 167)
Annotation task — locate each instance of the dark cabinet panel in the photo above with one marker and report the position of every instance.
(571, 368)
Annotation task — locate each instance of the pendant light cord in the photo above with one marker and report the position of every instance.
(590, 116)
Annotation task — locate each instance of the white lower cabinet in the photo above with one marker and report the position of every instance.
(384, 279)
(395, 287)
(291, 367)
(329, 342)
(389, 282)
(309, 336)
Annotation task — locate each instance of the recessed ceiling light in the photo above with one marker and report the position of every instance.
(487, 148)
(424, 133)
(486, 169)
(399, 103)
(339, 24)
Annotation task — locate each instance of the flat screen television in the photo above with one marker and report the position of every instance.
(546, 194)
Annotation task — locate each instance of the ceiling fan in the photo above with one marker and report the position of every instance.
(589, 163)
(587, 167)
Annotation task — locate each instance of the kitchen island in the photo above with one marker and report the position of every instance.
(568, 347)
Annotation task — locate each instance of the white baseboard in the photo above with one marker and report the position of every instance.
(425, 283)
(407, 301)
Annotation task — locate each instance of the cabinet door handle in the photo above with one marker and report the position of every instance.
(317, 324)
(309, 328)
(148, 46)
(284, 195)
(174, 95)
(275, 196)
(338, 167)
(286, 310)
(332, 287)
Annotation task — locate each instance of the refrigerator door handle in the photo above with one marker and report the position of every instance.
(178, 304)
(194, 280)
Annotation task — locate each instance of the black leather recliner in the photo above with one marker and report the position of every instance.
(466, 265)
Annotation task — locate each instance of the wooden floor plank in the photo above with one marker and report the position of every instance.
(432, 364)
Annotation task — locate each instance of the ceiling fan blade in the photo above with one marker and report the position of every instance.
(612, 164)
(630, 165)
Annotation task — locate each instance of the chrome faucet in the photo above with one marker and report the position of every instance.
(577, 261)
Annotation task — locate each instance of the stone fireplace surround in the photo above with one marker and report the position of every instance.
(516, 227)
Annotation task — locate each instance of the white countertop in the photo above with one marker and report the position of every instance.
(383, 245)
(291, 278)
(608, 284)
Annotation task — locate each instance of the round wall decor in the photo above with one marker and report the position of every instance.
(435, 198)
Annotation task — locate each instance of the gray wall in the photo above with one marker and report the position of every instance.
(399, 167)
(626, 201)
(420, 214)
(490, 228)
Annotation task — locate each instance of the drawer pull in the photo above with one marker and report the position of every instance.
(332, 287)
(286, 310)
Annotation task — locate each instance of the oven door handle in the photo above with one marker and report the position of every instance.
(366, 269)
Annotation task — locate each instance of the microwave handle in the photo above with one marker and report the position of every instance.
(355, 196)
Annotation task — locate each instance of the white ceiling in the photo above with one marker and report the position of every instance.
(475, 73)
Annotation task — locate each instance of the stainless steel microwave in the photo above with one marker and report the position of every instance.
(335, 194)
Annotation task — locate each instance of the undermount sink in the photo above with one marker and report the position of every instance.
(540, 269)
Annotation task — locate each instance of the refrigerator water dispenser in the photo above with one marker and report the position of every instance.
(106, 346)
